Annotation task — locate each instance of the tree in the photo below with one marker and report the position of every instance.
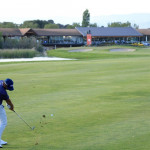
(86, 18)
(51, 26)
(68, 26)
(36, 23)
(29, 24)
(119, 24)
(125, 24)
(8, 25)
(40, 23)
(75, 24)
(136, 26)
(51, 21)
(93, 25)
(61, 26)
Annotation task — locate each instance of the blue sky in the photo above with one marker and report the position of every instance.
(69, 11)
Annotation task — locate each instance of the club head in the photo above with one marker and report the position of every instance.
(33, 128)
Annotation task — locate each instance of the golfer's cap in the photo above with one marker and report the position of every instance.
(9, 83)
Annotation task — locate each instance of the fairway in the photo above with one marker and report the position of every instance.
(99, 102)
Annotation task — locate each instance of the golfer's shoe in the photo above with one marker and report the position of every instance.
(1, 146)
(3, 142)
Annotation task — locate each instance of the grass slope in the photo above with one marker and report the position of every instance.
(97, 104)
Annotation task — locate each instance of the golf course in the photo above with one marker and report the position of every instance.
(100, 100)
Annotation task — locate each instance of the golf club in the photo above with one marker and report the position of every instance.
(32, 128)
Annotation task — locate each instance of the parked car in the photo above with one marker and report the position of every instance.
(145, 43)
(137, 44)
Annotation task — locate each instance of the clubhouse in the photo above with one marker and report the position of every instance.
(78, 36)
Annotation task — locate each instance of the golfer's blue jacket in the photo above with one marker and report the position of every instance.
(3, 93)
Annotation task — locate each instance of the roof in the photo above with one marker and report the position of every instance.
(109, 31)
(57, 32)
(10, 32)
(79, 31)
(39, 32)
(24, 30)
(144, 31)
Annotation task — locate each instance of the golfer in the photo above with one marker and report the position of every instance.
(4, 85)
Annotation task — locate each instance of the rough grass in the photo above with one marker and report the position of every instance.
(17, 53)
(98, 104)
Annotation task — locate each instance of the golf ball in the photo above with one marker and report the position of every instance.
(52, 115)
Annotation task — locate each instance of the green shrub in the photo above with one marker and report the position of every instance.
(40, 48)
(1, 40)
(23, 43)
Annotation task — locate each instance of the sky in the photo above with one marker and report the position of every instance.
(69, 11)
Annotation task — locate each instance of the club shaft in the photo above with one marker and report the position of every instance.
(22, 119)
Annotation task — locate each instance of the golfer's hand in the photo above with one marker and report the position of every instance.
(10, 104)
(11, 107)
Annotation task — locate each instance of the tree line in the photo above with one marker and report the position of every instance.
(50, 24)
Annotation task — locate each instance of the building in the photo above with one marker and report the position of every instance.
(47, 37)
(146, 34)
(110, 34)
(77, 36)
(10, 33)
(59, 37)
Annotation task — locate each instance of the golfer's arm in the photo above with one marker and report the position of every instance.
(8, 101)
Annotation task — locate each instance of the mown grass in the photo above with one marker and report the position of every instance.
(17, 53)
(99, 52)
(97, 104)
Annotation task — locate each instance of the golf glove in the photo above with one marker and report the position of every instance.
(8, 106)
